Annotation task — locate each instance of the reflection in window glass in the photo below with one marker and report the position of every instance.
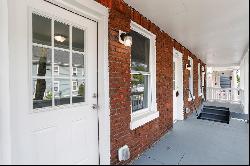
(62, 91)
(78, 65)
(78, 91)
(62, 59)
(42, 93)
(139, 90)
(77, 39)
(61, 35)
(140, 52)
(41, 30)
(41, 61)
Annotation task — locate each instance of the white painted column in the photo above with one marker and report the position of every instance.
(5, 138)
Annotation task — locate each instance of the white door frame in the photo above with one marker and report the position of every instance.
(179, 56)
(91, 10)
(5, 136)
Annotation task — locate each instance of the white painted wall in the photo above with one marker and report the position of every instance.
(5, 139)
(244, 85)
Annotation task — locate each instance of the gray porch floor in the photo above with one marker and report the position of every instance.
(199, 142)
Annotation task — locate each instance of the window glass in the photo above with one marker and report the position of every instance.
(77, 39)
(62, 59)
(140, 52)
(66, 85)
(139, 90)
(78, 65)
(61, 35)
(41, 61)
(41, 30)
(62, 91)
(42, 93)
(78, 91)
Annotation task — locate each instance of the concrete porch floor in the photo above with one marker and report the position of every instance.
(200, 142)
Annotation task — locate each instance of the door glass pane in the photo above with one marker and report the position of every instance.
(140, 52)
(62, 91)
(61, 35)
(42, 93)
(78, 90)
(78, 65)
(139, 91)
(41, 61)
(41, 30)
(77, 39)
(62, 59)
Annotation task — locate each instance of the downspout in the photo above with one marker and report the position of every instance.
(5, 136)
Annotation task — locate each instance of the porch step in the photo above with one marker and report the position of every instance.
(214, 107)
(217, 114)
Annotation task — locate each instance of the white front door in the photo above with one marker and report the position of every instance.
(178, 102)
(54, 85)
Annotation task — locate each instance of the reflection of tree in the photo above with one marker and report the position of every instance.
(81, 90)
(137, 79)
(41, 83)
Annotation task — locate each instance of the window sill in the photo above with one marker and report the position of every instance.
(140, 120)
(190, 99)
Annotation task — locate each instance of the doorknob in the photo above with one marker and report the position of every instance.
(94, 95)
(94, 106)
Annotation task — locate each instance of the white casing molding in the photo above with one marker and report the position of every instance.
(5, 137)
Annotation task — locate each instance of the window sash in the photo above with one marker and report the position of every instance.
(55, 72)
(149, 89)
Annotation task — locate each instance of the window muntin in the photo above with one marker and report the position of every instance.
(53, 61)
(140, 72)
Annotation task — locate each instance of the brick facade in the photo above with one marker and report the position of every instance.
(143, 137)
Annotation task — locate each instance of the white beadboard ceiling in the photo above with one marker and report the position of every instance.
(217, 31)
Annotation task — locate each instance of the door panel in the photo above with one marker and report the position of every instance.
(65, 131)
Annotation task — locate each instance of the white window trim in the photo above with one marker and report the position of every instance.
(74, 72)
(144, 116)
(56, 72)
(58, 83)
(73, 86)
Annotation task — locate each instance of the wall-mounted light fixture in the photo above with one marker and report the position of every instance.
(188, 66)
(125, 38)
(203, 69)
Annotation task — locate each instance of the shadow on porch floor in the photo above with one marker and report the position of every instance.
(200, 142)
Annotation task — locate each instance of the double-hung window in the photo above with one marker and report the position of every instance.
(143, 76)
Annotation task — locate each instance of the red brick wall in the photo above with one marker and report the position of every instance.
(143, 137)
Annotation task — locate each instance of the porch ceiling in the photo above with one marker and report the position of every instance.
(217, 31)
